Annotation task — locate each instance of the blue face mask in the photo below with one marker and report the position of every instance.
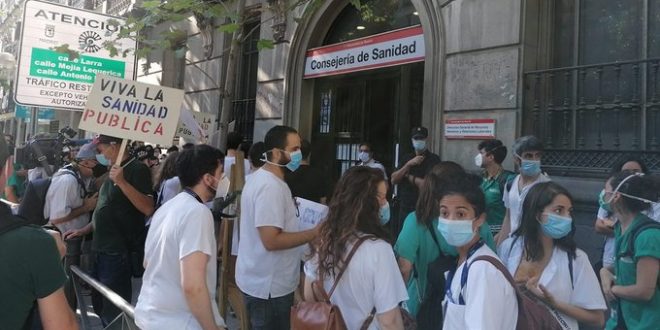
(456, 232)
(557, 226)
(530, 167)
(102, 160)
(419, 145)
(384, 213)
(603, 203)
(296, 158)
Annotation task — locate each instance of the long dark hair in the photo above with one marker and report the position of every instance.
(167, 170)
(427, 204)
(353, 208)
(538, 197)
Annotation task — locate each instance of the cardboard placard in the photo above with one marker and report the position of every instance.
(132, 110)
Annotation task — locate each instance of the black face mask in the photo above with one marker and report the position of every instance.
(99, 170)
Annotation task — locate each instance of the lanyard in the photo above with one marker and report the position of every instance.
(193, 194)
(464, 274)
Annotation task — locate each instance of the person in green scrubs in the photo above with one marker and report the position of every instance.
(632, 285)
(495, 178)
(415, 247)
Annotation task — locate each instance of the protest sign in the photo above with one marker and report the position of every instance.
(132, 110)
(310, 213)
(195, 126)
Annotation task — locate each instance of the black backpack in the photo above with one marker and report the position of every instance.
(505, 181)
(429, 315)
(32, 205)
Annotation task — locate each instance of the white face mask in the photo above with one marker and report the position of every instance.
(364, 156)
(479, 160)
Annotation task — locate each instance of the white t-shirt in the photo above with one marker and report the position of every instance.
(65, 194)
(266, 201)
(38, 173)
(372, 279)
(513, 199)
(374, 164)
(178, 229)
(584, 292)
(490, 300)
(168, 189)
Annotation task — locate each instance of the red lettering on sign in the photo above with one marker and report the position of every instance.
(159, 129)
(114, 120)
(88, 113)
(123, 125)
(145, 129)
(101, 118)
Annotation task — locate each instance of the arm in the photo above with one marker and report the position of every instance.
(78, 232)
(604, 226)
(275, 238)
(193, 282)
(506, 228)
(88, 206)
(645, 284)
(307, 291)
(390, 320)
(10, 195)
(401, 174)
(144, 203)
(591, 317)
(405, 267)
(55, 312)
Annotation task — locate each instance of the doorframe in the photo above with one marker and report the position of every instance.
(298, 92)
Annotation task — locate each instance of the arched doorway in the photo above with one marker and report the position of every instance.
(377, 105)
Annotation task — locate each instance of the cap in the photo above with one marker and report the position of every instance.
(87, 151)
(106, 139)
(419, 133)
(144, 152)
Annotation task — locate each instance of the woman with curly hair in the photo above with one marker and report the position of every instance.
(371, 284)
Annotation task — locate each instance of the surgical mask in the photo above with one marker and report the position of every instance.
(292, 165)
(102, 160)
(456, 232)
(529, 167)
(419, 145)
(364, 156)
(557, 226)
(223, 187)
(605, 205)
(384, 213)
(479, 160)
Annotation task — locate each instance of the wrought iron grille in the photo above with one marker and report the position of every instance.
(590, 116)
(244, 117)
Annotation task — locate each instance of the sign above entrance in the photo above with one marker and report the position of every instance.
(467, 129)
(47, 78)
(378, 51)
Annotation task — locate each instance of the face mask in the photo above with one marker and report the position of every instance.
(292, 165)
(419, 145)
(479, 160)
(557, 226)
(605, 205)
(223, 187)
(364, 156)
(456, 232)
(102, 160)
(530, 167)
(384, 213)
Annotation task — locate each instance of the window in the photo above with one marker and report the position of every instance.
(592, 93)
(246, 84)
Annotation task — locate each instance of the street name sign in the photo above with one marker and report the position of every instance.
(50, 79)
(132, 110)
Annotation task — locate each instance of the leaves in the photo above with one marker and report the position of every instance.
(229, 28)
(64, 49)
(265, 44)
(151, 4)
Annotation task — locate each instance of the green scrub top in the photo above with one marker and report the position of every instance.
(636, 314)
(495, 208)
(416, 245)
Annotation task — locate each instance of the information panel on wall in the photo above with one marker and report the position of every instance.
(378, 51)
(478, 129)
(47, 78)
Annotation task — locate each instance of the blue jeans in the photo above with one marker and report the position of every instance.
(269, 314)
(114, 271)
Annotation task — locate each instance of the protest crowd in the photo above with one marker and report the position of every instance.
(451, 249)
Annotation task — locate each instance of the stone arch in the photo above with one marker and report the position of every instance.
(309, 33)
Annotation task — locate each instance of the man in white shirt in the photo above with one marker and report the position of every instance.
(68, 207)
(178, 288)
(366, 157)
(269, 253)
(234, 140)
(527, 152)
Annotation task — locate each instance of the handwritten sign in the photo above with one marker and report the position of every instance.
(132, 110)
(479, 129)
(310, 213)
(195, 126)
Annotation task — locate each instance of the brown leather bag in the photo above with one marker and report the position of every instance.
(322, 314)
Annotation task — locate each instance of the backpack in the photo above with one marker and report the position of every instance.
(646, 224)
(505, 181)
(429, 315)
(322, 314)
(32, 205)
(532, 312)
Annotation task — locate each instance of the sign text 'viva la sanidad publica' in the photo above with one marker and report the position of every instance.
(132, 110)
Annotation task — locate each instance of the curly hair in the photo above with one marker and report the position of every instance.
(538, 198)
(353, 209)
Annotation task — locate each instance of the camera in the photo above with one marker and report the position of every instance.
(46, 150)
